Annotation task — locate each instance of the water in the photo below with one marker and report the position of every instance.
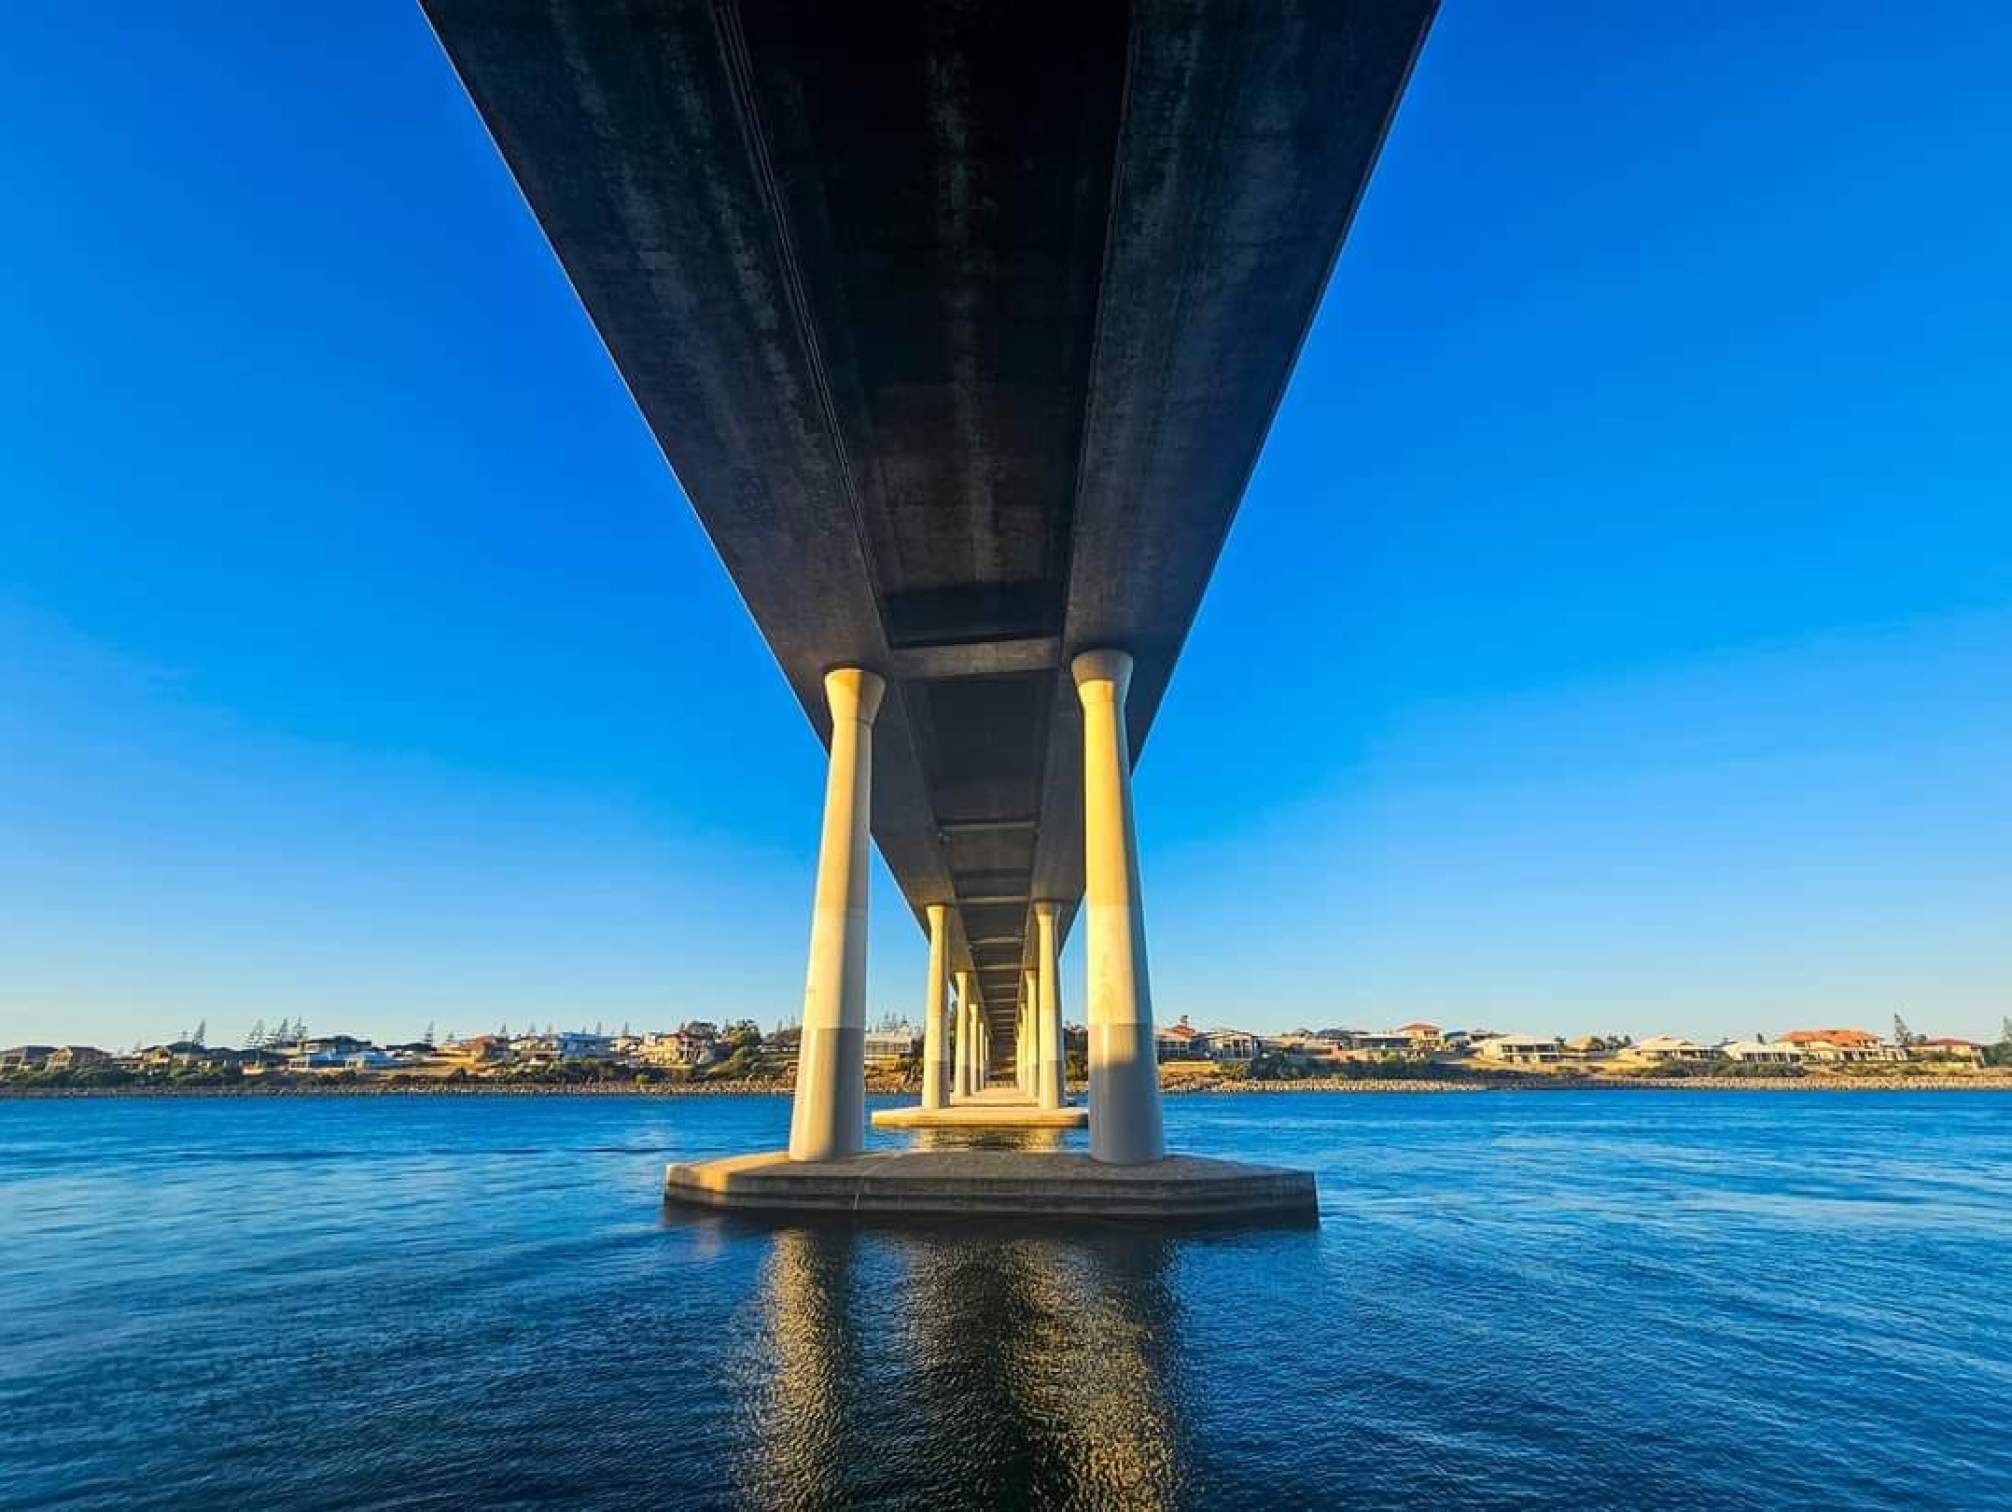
(1683, 1300)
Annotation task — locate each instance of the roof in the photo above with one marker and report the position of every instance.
(1667, 1042)
(1830, 1037)
(1421, 1025)
(1947, 1042)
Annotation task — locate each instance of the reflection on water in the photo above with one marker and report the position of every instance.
(1024, 1369)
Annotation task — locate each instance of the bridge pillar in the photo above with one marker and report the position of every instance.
(1048, 1069)
(1125, 1124)
(1030, 1015)
(935, 1073)
(828, 1115)
(965, 1035)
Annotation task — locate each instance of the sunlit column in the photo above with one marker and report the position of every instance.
(935, 1074)
(828, 1117)
(1049, 1084)
(1024, 1057)
(1125, 1125)
(967, 1037)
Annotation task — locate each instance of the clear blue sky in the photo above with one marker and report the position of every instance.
(1617, 633)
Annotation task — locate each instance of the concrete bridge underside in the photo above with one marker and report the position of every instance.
(962, 325)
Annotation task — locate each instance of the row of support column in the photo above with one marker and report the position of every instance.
(827, 1119)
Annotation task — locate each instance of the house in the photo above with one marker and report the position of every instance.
(481, 1050)
(68, 1057)
(1423, 1035)
(1659, 1048)
(890, 1042)
(1230, 1044)
(1179, 1042)
(185, 1055)
(1366, 1042)
(25, 1057)
(1843, 1046)
(1761, 1053)
(561, 1046)
(338, 1052)
(1292, 1042)
(1519, 1050)
(1967, 1052)
(1585, 1046)
(694, 1045)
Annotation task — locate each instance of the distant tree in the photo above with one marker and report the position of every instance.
(503, 1031)
(202, 1031)
(256, 1038)
(1902, 1035)
(597, 1026)
(426, 1039)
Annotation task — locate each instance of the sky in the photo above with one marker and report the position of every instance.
(1616, 635)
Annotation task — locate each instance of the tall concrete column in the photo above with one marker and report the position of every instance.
(967, 1036)
(1049, 1082)
(935, 1072)
(1030, 1008)
(828, 1117)
(1125, 1125)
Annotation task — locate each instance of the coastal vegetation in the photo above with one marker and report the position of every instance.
(702, 1058)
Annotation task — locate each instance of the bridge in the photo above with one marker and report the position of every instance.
(961, 325)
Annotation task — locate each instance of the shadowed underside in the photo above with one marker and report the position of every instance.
(961, 325)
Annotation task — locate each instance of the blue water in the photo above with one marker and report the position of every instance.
(1626, 1300)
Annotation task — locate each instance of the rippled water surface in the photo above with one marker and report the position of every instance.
(1685, 1299)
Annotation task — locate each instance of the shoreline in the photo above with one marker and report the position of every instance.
(1309, 1087)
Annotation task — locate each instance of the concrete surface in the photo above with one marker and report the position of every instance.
(996, 1183)
(982, 1115)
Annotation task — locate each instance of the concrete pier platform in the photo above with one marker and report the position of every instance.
(982, 1116)
(993, 1108)
(996, 1183)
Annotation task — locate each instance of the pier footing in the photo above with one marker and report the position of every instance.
(996, 1183)
(972, 1115)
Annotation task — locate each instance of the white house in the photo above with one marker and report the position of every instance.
(1231, 1044)
(1658, 1048)
(1519, 1050)
(1762, 1053)
(565, 1045)
(891, 1042)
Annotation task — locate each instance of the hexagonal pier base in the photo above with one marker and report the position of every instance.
(996, 1183)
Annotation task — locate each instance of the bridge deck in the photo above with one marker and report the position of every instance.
(961, 328)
